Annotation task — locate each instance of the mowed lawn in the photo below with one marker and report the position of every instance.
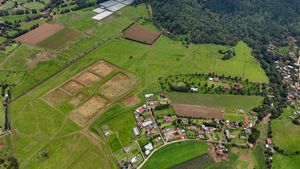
(176, 153)
(286, 162)
(285, 133)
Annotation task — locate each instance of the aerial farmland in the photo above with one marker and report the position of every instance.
(100, 85)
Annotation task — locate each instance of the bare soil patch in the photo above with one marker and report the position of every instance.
(56, 97)
(131, 101)
(40, 57)
(72, 87)
(103, 69)
(39, 34)
(195, 111)
(117, 86)
(88, 110)
(87, 78)
(78, 99)
(141, 34)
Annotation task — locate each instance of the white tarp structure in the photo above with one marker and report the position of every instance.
(119, 0)
(128, 2)
(116, 7)
(102, 15)
(108, 7)
(109, 3)
(99, 10)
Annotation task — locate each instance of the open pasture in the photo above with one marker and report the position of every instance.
(194, 111)
(39, 34)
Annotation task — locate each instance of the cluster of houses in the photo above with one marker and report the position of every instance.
(269, 149)
(290, 69)
(146, 126)
(290, 73)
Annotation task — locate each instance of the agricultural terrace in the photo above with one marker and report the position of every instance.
(285, 133)
(176, 153)
(42, 128)
(230, 103)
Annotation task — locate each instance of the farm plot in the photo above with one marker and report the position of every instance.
(88, 110)
(102, 69)
(87, 78)
(141, 34)
(88, 93)
(195, 111)
(117, 86)
(39, 34)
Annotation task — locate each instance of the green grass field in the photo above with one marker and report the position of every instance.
(176, 153)
(285, 162)
(285, 133)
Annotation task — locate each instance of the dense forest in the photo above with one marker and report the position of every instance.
(228, 21)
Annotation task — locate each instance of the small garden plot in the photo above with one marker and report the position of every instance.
(195, 111)
(141, 34)
(117, 86)
(56, 97)
(87, 78)
(88, 110)
(72, 87)
(78, 99)
(102, 69)
(39, 34)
